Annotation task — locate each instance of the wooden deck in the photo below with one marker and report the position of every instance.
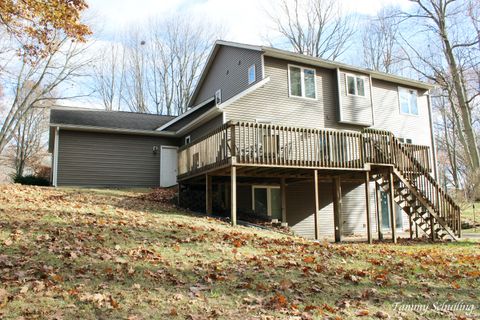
(249, 149)
(267, 145)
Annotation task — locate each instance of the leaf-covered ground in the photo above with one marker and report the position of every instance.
(99, 254)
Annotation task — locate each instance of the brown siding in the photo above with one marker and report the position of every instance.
(105, 159)
(229, 72)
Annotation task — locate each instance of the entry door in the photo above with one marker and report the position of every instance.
(168, 166)
(267, 201)
(385, 208)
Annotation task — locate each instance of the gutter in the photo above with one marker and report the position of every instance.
(114, 130)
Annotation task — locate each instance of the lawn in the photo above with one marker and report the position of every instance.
(107, 254)
(469, 216)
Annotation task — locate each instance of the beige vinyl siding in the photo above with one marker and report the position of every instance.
(353, 108)
(105, 159)
(272, 103)
(229, 72)
(354, 208)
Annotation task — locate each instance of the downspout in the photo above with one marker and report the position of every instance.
(432, 136)
(55, 157)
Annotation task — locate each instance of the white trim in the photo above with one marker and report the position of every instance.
(309, 60)
(262, 57)
(224, 117)
(186, 113)
(116, 130)
(371, 98)
(244, 93)
(204, 117)
(269, 198)
(55, 157)
(340, 111)
(254, 74)
(238, 45)
(409, 107)
(356, 123)
(302, 82)
(355, 76)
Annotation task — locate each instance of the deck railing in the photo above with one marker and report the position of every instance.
(274, 145)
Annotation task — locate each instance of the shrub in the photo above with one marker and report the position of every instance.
(31, 180)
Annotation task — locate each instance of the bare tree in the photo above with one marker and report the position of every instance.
(29, 142)
(314, 27)
(449, 56)
(379, 39)
(108, 76)
(33, 84)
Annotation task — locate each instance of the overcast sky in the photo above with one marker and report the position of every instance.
(243, 20)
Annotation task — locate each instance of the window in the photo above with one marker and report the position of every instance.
(251, 74)
(218, 97)
(355, 85)
(407, 140)
(408, 101)
(187, 139)
(267, 201)
(302, 82)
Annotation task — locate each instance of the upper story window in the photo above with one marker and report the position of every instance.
(218, 97)
(302, 82)
(355, 85)
(251, 74)
(408, 101)
(187, 139)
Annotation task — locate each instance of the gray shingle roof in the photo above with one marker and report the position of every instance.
(108, 119)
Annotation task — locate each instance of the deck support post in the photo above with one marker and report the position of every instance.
(337, 208)
(208, 194)
(378, 202)
(432, 228)
(284, 200)
(410, 222)
(416, 226)
(233, 195)
(317, 205)
(367, 199)
(393, 223)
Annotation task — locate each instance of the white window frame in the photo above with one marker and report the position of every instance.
(399, 89)
(218, 97)
(356, 76)
(269, 198)
(250, 81)
(302, 82)
(188, 139)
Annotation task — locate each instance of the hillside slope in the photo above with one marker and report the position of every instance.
(98, 254)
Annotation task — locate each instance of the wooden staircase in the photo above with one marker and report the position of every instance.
(415, 190)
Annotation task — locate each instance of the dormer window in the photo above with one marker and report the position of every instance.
(408, 101)
(302, 82)
(251, 74)
(355, 85)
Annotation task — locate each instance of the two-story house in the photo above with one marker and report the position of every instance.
(327, 148)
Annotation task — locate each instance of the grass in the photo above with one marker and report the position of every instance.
(107, 254)
(467, 215)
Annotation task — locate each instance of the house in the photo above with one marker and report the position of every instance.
(323, 147)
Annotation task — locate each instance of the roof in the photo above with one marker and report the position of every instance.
(108, 119)
(292, 56)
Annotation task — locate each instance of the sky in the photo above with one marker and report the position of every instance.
(244, 20)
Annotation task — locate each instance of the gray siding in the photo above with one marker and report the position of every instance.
(354, 208)
(229, 72)
(103, 159)
(204, 129)
(355, 109)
